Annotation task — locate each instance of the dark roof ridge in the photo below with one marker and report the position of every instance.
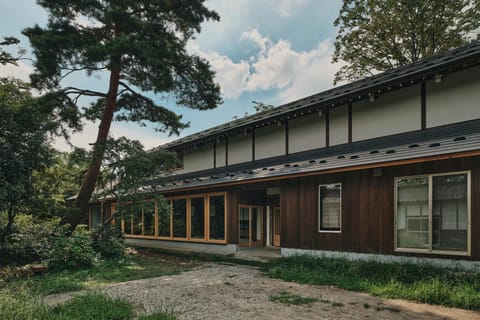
(367, 84)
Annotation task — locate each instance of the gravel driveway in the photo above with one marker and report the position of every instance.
(221, 291)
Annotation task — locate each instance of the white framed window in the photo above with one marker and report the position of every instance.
(432, 213)
(330, 207)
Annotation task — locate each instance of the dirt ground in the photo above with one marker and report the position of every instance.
(222, 291)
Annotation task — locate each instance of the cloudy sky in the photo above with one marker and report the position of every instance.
(273, 51)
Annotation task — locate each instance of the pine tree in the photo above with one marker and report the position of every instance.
(141, 44)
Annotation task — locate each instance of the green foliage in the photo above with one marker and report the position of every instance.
(90, 306)
(418, 282)
(72, 252)
(93, 306)
(26, 127)
(28, 242)
(381, 35)
(291, 299)
(109, 242)
(103, 272)
(59, 180)
(18, 305)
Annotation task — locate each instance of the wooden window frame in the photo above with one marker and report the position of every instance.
(320, 230)
(430, 250)
(188, 238)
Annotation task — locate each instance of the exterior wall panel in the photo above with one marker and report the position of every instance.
(198, 159)
(339, 125)
(391, 113)
(239, 149)
(269, 142)
(368, 218)
(306, 133)
(455, 99)
(220, 154)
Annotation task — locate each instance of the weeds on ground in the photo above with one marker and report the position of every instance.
(422, 283)
(290, 298)
(104, 272)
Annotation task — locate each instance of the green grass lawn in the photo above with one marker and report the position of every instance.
(21, 298)
(421, 283)
(104, 272)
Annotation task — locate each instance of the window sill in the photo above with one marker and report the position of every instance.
(329, 231)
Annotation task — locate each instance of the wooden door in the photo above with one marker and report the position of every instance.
(250, 225)
(276, 226)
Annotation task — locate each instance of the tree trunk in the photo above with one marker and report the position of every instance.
(8, 228)
(88, 185)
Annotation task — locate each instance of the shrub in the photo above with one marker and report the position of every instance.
(72, 252)
(109, 242)
(29, 241)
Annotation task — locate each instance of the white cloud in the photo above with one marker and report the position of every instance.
(22, 71)
(285, 7)
(84, 139)
(275, 66)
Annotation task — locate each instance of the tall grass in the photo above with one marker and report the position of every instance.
(417, 282)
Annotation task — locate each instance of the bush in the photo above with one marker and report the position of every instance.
(109, 242)
(72, 252)
(29, 241)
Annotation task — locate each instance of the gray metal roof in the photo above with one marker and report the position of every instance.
(431, 147)
(450, 61)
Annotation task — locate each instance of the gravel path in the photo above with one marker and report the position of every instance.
(218, 291)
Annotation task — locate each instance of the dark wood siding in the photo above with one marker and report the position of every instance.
(367, 208)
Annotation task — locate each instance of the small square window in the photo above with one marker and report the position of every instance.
(330, 207)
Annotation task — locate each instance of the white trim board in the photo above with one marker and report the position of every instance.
(352, 256)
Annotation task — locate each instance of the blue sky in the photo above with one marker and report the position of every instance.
(273, 51)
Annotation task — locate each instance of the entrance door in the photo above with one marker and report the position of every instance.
(276, 226)
(250, 226)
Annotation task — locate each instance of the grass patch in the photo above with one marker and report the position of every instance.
(290, 298)
(92, 306)
(104, 272)
(417, 282)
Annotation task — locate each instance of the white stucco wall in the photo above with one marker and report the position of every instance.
(455, 99)
(306, 133)
(338, 125)
(220, 154)
(239, 148)
(198, 159)
(269, 142)
(390, 113)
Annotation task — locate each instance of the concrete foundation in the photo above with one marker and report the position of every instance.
(444, 263)
(210, 248)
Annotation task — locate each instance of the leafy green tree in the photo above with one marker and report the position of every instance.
(59, 179)
(26, 127)
(380, 35)
(141, 45)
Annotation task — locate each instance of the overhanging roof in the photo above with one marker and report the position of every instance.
(462, 139)
(450, 61)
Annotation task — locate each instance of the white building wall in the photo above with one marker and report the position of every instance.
(390, 113)
(338, 125)
(198, 159)
(220, 156)
(306, 133)
(269, 142)
(455, 99)
(239, 148)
